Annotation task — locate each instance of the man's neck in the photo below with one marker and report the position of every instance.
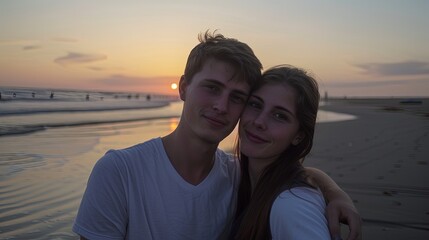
(192, 158)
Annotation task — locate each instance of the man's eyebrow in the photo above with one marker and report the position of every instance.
(213, 81)
(236, 91)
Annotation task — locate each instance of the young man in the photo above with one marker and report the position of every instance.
(180, 186)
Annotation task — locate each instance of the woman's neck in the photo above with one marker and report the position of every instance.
(256, 169)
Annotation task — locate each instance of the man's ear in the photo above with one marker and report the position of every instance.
(182, 88)
(298, 138)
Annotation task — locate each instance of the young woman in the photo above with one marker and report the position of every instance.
(275, 198)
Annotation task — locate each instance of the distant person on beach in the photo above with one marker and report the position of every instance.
(52, 95)
(181, 186)
(276, 199)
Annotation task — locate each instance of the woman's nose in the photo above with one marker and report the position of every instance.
(259, 121)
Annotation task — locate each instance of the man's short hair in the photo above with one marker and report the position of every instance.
(215, 45)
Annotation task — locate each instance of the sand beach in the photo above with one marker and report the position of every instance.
(380, 158)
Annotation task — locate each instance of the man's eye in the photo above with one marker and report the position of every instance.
(212, 88)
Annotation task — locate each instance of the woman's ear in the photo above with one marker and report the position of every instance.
(182, 88)
(298, 138)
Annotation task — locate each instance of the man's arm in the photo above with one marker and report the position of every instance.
(340, 207)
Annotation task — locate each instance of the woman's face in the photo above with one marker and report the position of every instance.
(269, 124)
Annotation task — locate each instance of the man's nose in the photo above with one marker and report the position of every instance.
(221, 104)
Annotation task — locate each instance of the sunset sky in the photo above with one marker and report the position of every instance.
(353, 48)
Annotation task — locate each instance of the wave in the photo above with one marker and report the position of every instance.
(23, 107)
(11, 94)
(27, 120)
(14, 130)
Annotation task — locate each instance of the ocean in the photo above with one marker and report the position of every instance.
(26, 110)
(48, 147)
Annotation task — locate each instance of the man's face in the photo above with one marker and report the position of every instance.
(214, 99)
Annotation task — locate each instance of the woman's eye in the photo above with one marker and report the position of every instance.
(254, 104)
(281, 116)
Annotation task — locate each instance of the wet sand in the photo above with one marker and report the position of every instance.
(381, 160)
(43, 175)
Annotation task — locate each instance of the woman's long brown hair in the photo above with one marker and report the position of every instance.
(254, 208)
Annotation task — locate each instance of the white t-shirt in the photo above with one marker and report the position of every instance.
(136, 193)
(299, 213)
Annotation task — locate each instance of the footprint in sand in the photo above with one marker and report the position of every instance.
(389, 192)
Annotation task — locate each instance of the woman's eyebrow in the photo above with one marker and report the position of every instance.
(276, 106)
(284, 109)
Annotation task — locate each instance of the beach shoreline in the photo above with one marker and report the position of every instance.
(418, 105)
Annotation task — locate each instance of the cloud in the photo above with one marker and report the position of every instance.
(31, 47)
(78, 58)
(95, 68)
(374, 83)
(395, 69)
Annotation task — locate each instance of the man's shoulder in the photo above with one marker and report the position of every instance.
(227, 161)
(134, 154)
(224, 156)
(147, 146)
